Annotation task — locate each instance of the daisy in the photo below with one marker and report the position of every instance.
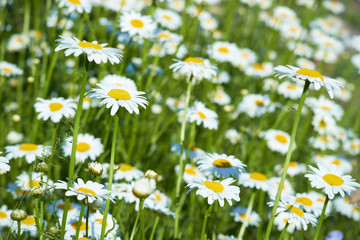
(95, 52)
(87, 146)
(306, 63)
(190, 172)
(127, 172)
(274, 183)
(28, 225)
(294, 168)
(5, 218)
(96, 221)
(221, 97)
(137, 25)
(233, 135)
(160, 199)
(28, 150)
(4, 165)
(198, 67)
(290, 90)
(72, 224)
(58, 207)
(254, 180)
(216, 190)
(17, 42)
(334, 6)
(91, 191)
(331, 180)
(254, 105)
(226, 237)
(277, 140)
(221, 165)
(195, 152)
(79, 6)
(344, 207)
(324, 124)
(200, 114)
(223, 51)
(239, 214)
(55, 108)
(308, 75)
(167, 18)
(325, 106)
(119, 81)
(37, 181)
(259, 70)
(175, 104)
(308, 202)
(352, 146)
(120, 96)
(9, 70)
(324, 142)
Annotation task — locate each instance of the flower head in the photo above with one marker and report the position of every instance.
(55, 108)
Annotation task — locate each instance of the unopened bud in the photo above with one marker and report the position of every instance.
(144, 187)
(18, 215)
(95, 168)
(30, 79)
(151, 174)
(42, 167)
(37, 193)
(54, 230)
(16, 118)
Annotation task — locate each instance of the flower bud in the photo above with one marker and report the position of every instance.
(18, 215)
(95, 168)
(42, 167)
(151, 174)
(37, 193)
(144, 187)
(54, 230)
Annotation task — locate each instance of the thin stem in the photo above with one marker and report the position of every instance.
(287, 159)
(137, 219)
(317, 232)
(111, 173)
(74, 143)
(207, 214)
(247, 216)
(79, 223)
(283, 232)
(37, 219)
(154, 228)
(181, 160)
(19, 230)
(87, 220)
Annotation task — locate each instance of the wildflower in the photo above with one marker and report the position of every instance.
(335, 235)
(325, 106)
(28, 150)
(323, 142)
(119, 81)
(9, 70)
(294, 168)
(343, 164)
(223, 51)
(233, 136)
(346, 208)
(137, 25)
(72, 224)
(306, 63)
(277, 140)
(274, 184)
(143, 187)
(37, 181)
(127, 172)
(96, 224)
(5, 215)
(324, 124)
(95, 168)
(4, 165)
(334, 6)
(14, 137)
(221, 97)
(55, 108)
(17, 42)
(254, 180)
(200, 114)
(239, 214)
(221, 165)
(120, 96)
(89, 191)
(331, 180)
(308, 75)
(352, 146)
(95, 52)
(254, 105)
(87, 146)
(167, 18)
(259, 70)
(190, 172)
(58, 207)
(198, 67)
(216, 190)
(290, 90)
(79, 6)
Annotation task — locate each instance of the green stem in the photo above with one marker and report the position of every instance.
(247, 215)
(111, 173)
(181, 160)
(87, 220)
(79, 223)
(74, 143)
(19, 230)
(207, 214)
(287, 159)
(154, 227)
(137, 219)
(37, 219)
(283, 232)
(317, 232)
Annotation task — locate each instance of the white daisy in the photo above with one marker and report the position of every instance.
(290, 90)
(200, 114)
(308, 202)
(9, 70)
(239, 214)
(221, 97)
(137, 25)
(28, 225)
(277, 140)
(254, 105)
(55, 108)
(167, 18)
(254, 180)
(4, 165)
(198, 67)
(312, 76)
(323, 142)
(343, 164)
(120, 96)
(294, 168)
(216, 190)
(331, 180)
(190, 172)
(233, 135)
(119, 81)
(5, 218)
(325, 106)
(274, 183)
(91, 191)
(259, 70)
(324, 124)
(221, 165)
(96, 220)
(37, 181)
(223, 51)
(28, 150)
(127, 172)
(344, 207)
(352, 146)
(76, 5)
(95, 52)
(87, 146)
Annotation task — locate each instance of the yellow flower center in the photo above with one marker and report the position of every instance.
(259, 66)
(310, 73)
(137, 23)
(333, 180)
(119, 94)
(291, 164)
(82, 147)
(195, 60)
(6, 69)
(215, 186)
(100, 221)
(223, 50)
(305, 201)
(34, 183)
(77, 2)
(218, 95)
(322, 124)
(85, 238)
(222, 163)
(164, 35)
(85, 44)
(258, 176)
(82, 226)
(28, 147)
(201, 115)
(62, 206)
(291, 87)
(337, 162)
(259, 103)
(326, 108)
(3, 214)
(125, 167)
(157, 197)
(190, 170)
(347, 199)
(55, 106)
(355, 146)
(28, 221)
(86, 190)
(167, 17)
(296, 210)
(323, 139)
(281, 138)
